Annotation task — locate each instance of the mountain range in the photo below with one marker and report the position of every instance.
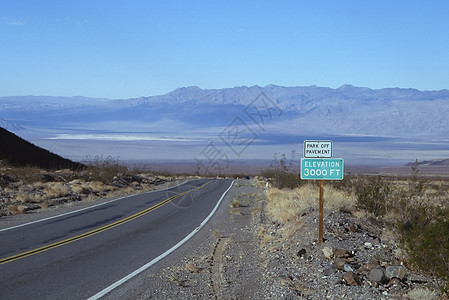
(404, 119)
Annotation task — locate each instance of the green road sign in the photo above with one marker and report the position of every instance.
(322, 168)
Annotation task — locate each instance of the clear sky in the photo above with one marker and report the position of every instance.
(123, 49)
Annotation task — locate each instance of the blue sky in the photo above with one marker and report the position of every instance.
(123, 49)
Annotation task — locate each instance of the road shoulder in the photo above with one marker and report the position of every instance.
(220, 262)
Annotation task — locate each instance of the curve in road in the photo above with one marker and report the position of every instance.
(35, 265)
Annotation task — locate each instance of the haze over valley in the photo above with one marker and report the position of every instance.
(368, 126)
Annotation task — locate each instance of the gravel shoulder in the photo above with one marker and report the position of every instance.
(220, 262)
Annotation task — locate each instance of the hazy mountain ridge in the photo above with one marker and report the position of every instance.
(345, 110)
(436, 162)
(9, 126)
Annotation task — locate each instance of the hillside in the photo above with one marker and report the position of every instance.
(16, 151)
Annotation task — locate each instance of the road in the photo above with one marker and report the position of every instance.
(78, 255)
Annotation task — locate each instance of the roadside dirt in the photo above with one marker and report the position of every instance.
(220, 262)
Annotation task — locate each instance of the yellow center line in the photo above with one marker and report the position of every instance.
(95, 231)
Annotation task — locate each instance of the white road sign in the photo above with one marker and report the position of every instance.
(317, 149)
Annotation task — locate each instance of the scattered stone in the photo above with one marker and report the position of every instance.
(377, 275)
(375, 241)
(395, 272)
(351, 278)
(351, 228)
(348, 268)
(301, 253)
(366, 269)
(394, 282)
(351, 260)
(417, 278)
(374, 262)
(368, 245)
(327, 251)
(373, 221)
(329, 271)
(339, 263)
(341, 253)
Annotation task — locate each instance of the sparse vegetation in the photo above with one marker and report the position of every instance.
(178, 281)
(235, 206)
(285, 206)
(28, 188)
(414, 211)
(191, 267)
(235, 203)
(103, 169)
(421, 294)
(373, 194)
(420, 218)
(17, 209)
(282, 171)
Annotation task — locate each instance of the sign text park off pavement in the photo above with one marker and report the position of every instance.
(317, 149)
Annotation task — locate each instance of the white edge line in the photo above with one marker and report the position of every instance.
(155, 260)
(86, 208)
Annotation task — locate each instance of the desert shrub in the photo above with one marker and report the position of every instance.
(287, 205)
(267, 173)
(372, 194)
(163, 173)
(346, 185)
(427, 241)
(23, 197)
(6, 180)
(420, 293)
(424, 228)
(25, 174)
(421, 222)
(416, 184)
(235, 203)
(282, 171)
(17, 209)
(57, 189)
(103, 169)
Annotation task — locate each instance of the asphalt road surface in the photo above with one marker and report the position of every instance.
(78, 255)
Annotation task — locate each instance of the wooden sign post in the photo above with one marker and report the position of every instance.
(318, 164)
(321, 215)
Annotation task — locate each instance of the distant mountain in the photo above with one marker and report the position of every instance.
(436, 162)
(19, 152)
(347, 110)
(10, 126)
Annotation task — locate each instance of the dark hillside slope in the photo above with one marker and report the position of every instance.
(16, 151)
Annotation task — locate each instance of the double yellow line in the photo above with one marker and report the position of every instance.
(95, 231)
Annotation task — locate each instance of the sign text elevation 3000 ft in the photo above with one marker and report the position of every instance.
(322, 168)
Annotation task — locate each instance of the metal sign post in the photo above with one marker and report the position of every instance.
(319, 164)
